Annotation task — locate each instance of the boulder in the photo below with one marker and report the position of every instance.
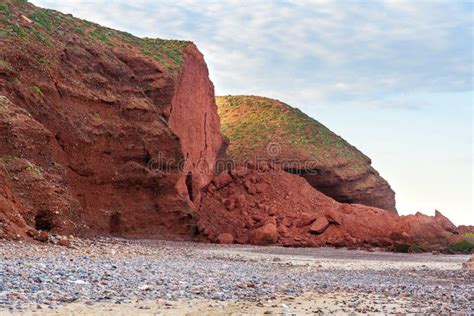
(264, 235)
(469, 265)
(225, 238)
(319, 226)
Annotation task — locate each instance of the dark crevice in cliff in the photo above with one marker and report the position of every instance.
(205, 131)
(189, 186)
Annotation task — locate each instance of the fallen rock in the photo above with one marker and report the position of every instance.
(307, 217)
(225, 238)
(239, 172)
(264, 235)
(42, 236)
(223, 179)
(333, 216)
(64, 242)
(319, 226)
(229, 204)
(469, 265)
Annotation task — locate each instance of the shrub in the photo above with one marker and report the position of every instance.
(415, 249)
(463, 246)
(399, 247)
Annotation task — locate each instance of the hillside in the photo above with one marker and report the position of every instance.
(100, 131)
(266, 129)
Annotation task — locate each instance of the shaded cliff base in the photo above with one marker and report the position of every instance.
(260, 206)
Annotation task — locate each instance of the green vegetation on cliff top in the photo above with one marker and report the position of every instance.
(252, 123)
(23, 21)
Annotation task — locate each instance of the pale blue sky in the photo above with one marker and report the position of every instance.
(394, 78)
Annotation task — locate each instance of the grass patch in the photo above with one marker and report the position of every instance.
(251, 123)
(469, 235)
(463, 246)
(5, 161)
(37, 90)
(15, 81)
(20, 2)
(128, 38)
(79, 29)
(5, 65)
(410, 248)
(104, 37)
(42, 18)
(4, 33)
(169, 53)
(33, 169)
(147, 87)
(4, 8)
(3, 107)
(43, 60)
(43, 39)
(17, 30)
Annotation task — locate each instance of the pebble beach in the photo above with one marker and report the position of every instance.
(113, 276)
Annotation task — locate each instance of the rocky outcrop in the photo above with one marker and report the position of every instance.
(275, 207)
(105, 133)
(194, 120)
(100, 131)
(264, 129)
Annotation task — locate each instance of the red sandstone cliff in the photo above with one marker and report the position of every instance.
(100, 131)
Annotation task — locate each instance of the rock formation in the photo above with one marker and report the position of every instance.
(100, 131)
(265, 205)
(105, 133)
(265, 129)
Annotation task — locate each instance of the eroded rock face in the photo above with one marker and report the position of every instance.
(194, 120)
(286, 210)
(102, 134)
(263, 129)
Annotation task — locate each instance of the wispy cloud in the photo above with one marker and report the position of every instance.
(310, 51)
